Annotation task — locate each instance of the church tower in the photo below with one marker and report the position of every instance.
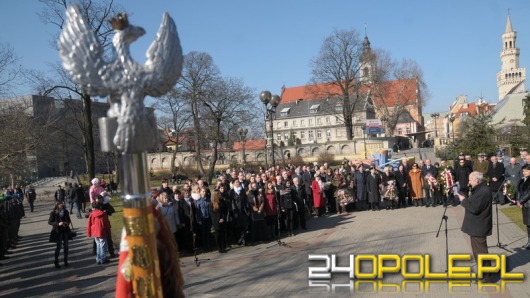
(511, 78)
(367, 62)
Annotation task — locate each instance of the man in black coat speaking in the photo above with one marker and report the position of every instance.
(477, 219)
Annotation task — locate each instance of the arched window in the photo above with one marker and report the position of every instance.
(505, 45)
(510, 44)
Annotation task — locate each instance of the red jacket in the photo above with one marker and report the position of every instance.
(98, 224)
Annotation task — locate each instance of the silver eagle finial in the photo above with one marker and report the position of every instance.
(123, 80)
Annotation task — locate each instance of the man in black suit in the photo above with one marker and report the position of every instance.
(299, 196)
(478, 216)
(307, 179)
(496, 175)
(425, 171)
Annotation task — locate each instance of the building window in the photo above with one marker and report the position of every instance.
(408, 130)
(400, 131)
(285, 124)
(286, 136)
(310, 122)
(279, 137)
(285, 111)
(328, 133)
(302, 122)
(310, 134)
(339, 107)
(313, 109)
(294, 123)
(302, 134)
(328, 120)
(319, 134)
(318, 121)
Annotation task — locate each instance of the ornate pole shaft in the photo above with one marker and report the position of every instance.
(138, 222)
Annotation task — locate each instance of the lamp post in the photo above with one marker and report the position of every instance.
(243, 138)
(364, 138)
(271, 102)
(435, 117)
(384, 119)
(452, 120)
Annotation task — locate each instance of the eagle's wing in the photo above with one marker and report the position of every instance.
(82, 54)
(164, 60)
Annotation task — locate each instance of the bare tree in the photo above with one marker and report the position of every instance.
(396, 88)
(8, 68)
(199, 75)
(228, 107)
(22, 132)
(97, 14)
(175, 116)
(336, 72)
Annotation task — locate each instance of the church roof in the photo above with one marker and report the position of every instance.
(508, 25)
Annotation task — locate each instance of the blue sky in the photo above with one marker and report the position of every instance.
(271, 43)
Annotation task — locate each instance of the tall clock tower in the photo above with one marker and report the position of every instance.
(511, 78)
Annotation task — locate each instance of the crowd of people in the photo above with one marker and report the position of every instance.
(11, 213)
(268, 204)
(265, 205)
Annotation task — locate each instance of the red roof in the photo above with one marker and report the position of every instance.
(250, 145)
(398, 92)
(473, 108)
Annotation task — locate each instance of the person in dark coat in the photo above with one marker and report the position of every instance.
(478, 222)
(523, 200)
(462, 177)
(307, 180)
(240, 210)
(187, 221)
(299, 197)
(401, 182)
(32, 196)
(496, 175)
(287, 207)
(373, 182)
(218, 213)
(360, 188)
(432, 171)
(60, 220)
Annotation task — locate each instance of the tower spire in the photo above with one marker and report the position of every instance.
(509, 27)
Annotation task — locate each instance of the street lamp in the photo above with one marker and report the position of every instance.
(384, 119)
(452, 120)
(242, 137)
(435, 117)
(364, 138)
(271, 102)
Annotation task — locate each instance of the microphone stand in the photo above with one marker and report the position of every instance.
(278, 236)
(444, 218)
(499, 244)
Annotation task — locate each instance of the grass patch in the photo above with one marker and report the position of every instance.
(116, 219)
(514, 214)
